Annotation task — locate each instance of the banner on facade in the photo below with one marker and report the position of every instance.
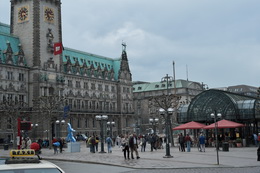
(58, 48)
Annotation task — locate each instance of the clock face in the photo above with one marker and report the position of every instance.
(49, 14)
(23, 14)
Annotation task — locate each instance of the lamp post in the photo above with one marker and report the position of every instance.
(167, 114)
(58, 126)
(154, 121)
(111, 125)
(165, 104)
(172, 103)
(102, 119)
(216, 115)
(34, 127)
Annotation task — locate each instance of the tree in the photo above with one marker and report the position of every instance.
(166, 102)
(49, 107)
(12, 110)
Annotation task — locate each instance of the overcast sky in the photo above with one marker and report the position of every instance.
(216, 42)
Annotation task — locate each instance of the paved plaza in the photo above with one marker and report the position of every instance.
(235, 157)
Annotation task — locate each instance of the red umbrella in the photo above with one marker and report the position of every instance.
(190, 125)
(224, 124)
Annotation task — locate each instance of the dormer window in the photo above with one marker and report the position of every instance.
(163, 85)
(156, 86)
(139, 88)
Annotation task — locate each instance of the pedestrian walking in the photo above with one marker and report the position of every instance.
(182, 142)
(97, 141)
(125, 146)
(202, 142)
(133, 146)
(24, 143)
(55, 147)
(109, 144)
(188, 142)
(119, 140)
(28, 143)
(61, 141)
(153, 141)
(92, 143)
(255, 137)
(258, 139)
(143, 143)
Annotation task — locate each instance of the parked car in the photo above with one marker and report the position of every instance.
(81, 137)
(25, 161)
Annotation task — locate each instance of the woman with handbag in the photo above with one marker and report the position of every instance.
(125, 146)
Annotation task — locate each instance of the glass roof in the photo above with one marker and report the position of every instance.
(232, 107)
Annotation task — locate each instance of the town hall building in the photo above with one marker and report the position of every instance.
(35, 65)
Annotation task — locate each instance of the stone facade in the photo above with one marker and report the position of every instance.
(92, 84)
(143, 91)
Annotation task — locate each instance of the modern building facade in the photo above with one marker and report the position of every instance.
(232, 106)
(31, 68)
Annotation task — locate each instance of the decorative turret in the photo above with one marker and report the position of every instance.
(124, 71)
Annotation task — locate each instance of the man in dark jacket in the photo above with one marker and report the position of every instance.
(152, 141)
(182, 142)
(133, 146)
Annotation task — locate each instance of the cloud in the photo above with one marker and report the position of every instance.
(218, 41)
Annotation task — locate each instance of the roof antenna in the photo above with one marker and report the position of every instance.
(187, 73)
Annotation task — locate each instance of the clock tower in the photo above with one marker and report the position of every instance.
(37, 23)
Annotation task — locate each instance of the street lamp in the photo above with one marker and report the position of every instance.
(102, 119)
(34, 127)
(216, 115)
(167, 113)
(154, 121)
(58, 126)
(111, 125)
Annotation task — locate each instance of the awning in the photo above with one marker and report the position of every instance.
(190, 125)
(224, 124)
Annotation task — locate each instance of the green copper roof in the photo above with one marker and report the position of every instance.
(6, 37)
(143, 87)
(97, 60)
(4, 28)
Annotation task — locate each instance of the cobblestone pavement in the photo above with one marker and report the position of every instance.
(236, 157)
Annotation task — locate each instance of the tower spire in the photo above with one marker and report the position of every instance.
(123, 46)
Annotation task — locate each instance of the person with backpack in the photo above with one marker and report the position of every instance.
(109, 144)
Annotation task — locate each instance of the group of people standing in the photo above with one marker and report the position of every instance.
(92, 143)
(187, 141)
(58, 143)
(26, 143)
(130, 144)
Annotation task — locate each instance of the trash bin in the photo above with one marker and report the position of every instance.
(6, 146)
(225, 146)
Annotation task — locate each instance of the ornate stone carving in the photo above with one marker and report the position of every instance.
(21, 58)
(9, 54)
(50, 38)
